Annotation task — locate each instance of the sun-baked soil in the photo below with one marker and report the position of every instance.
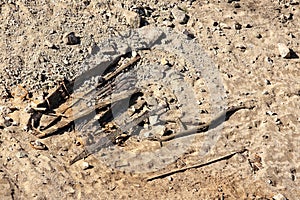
(240, 37)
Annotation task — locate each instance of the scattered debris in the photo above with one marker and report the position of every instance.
(220, 118)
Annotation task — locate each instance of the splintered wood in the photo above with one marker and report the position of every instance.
(110, 112)
(56, 110)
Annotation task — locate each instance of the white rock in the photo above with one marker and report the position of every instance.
(180, 15)
(2, 123)
(153, 119)
(134, 54)
(284, 50)
(241, 46)
(224, 26)
(158, 130)
(21, 154)
(14, 123)
(85, 165)
(269, 60)
(167, 23)
(48, 44)
(279, 197)
(164, 61)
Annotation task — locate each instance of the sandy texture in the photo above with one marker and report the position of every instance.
(240, 37)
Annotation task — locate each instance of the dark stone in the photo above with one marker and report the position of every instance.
(238, 26)
(71, 39)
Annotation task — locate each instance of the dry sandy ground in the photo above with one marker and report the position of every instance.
(240, 37)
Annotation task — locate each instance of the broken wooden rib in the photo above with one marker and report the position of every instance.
(62, 94)
(216, 121)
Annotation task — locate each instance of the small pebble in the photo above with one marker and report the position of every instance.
(180, 15)
(269, 60)
(259, 36)
(50, 45)
(85, 165)
(242, 47)
(14, 123)
(238, 26)
(2, 123)
(134, 53)
(237, 5)
(215, 24)
(224, 26)
(164, 61)
(270, 113)
(153, 119)
(278, 121)
(167, 23)
(132, 18)
(279, 197)
(71, 39)
(8, 121)
(21, 154)
(248, 26)
(267, 82)
(265, 92)
(284, 50)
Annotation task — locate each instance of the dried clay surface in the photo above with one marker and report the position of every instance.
(150, 99)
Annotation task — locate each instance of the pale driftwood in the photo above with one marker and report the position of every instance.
(111, 138)
(62, 93)
(65, 123)
(198, 165)
(220, 118)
